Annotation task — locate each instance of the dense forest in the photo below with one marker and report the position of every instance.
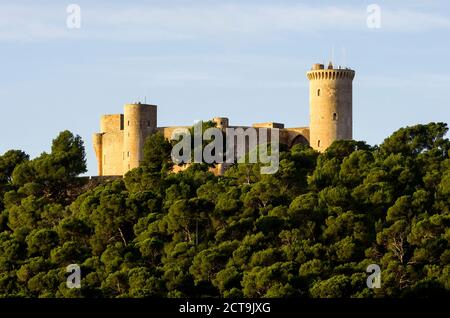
(310, 230)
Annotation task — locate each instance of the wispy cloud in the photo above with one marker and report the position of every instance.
(158, 23)
(205, 70)
(18, 22)
(410, 21)
(412, 81)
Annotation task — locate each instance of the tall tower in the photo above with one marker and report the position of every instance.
(139, 122)
(330, 105)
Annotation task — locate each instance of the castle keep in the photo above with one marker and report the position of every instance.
(330, 105)
(119, 144)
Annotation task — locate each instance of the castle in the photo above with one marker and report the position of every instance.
(119, 144)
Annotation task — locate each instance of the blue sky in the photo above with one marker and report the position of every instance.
(245, 60)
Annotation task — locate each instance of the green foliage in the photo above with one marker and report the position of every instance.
(157, 151)
(309, 230)
(8, 162)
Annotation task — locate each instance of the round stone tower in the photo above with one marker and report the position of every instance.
(330, 105)
(139, 122)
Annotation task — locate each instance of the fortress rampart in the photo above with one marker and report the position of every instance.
(119, 144)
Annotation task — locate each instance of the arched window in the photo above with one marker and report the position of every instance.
(318, 92)
(334, 116)
(318, 143)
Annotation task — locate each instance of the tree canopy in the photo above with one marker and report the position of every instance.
(309, 230)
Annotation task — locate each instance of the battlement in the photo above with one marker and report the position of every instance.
(330, 74)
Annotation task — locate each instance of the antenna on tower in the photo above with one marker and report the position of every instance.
(332, 54)
(344, 57)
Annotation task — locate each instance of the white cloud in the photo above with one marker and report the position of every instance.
(149, 23)
(413, 80)
(400, 20)
(29, 23)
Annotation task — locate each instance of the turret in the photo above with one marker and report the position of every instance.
(139, 122)
(221, 122)
(330, 105)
